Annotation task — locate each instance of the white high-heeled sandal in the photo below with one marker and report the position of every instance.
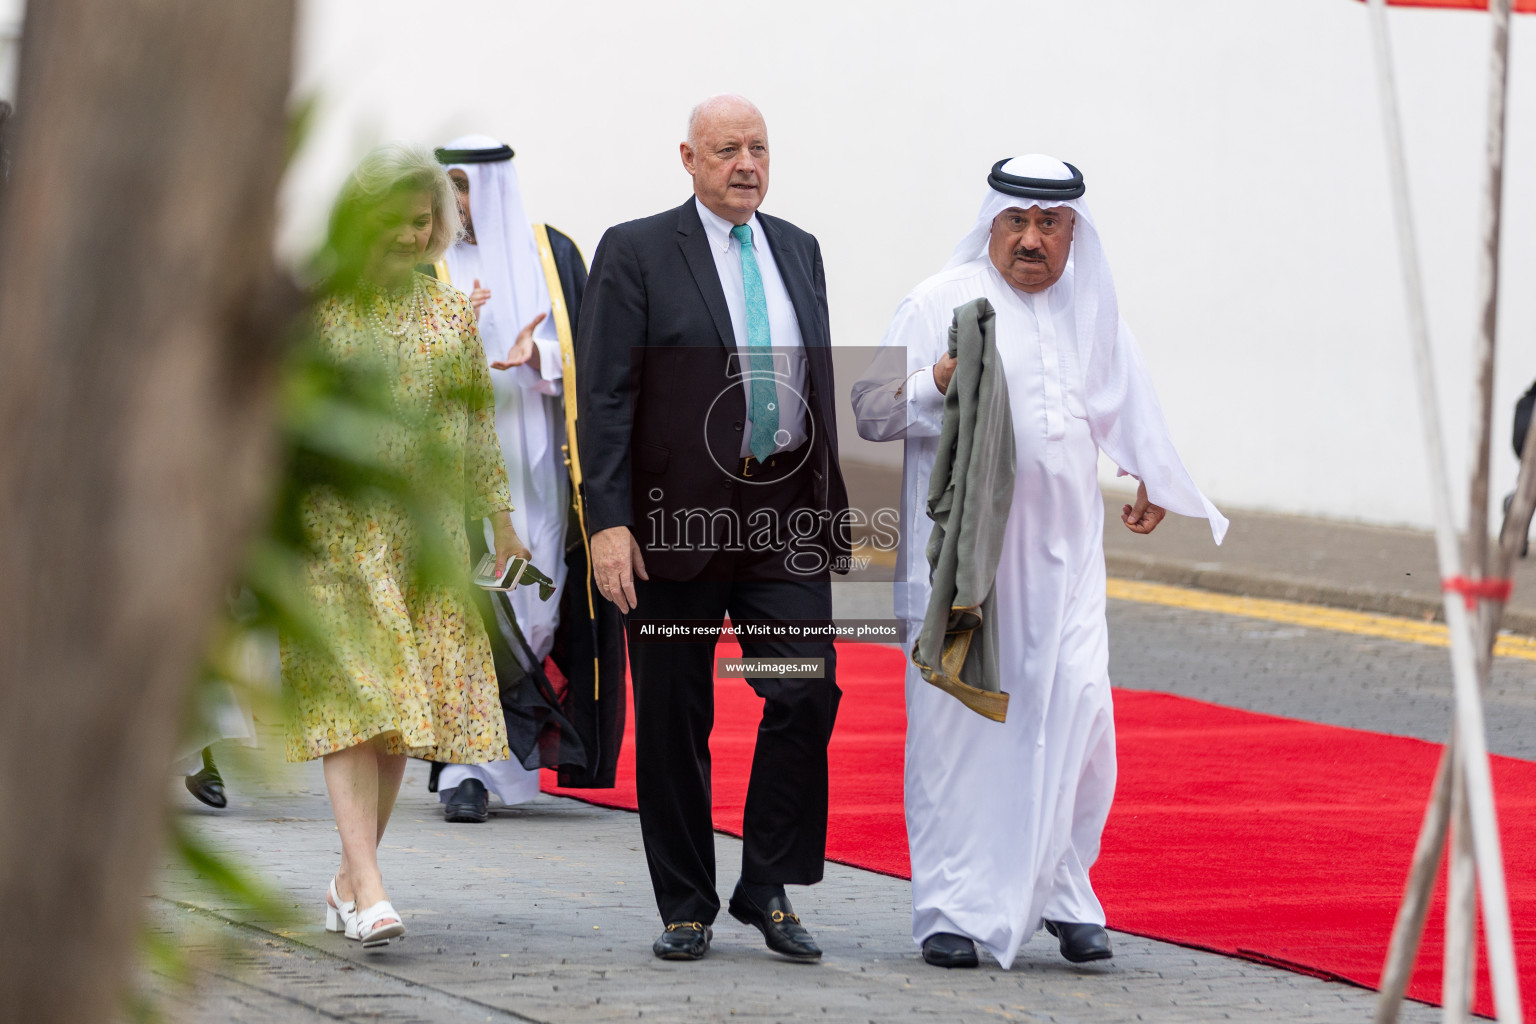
(339, 914)
(371, 927)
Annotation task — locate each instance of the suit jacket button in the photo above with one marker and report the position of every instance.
(737, 424)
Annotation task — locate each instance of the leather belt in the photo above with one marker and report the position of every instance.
(750, 466)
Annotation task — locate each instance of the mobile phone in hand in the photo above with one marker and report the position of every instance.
(487, 577)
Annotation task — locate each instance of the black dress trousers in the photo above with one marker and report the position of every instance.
(785, 821)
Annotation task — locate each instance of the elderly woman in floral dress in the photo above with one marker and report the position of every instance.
(396, 662)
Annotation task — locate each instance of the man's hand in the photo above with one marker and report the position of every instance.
(616, 562)
(943, 371)
(508, 546)
(478, 297)
(1144, 516)
(523, 349)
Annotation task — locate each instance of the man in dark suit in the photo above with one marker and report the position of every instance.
(707, 432)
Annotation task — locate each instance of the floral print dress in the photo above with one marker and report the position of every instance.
(402, 653)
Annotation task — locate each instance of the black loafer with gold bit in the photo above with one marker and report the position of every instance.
(683, 940)
(776, 919)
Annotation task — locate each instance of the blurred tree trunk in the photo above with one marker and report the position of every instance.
(140, 320)
(5, 162)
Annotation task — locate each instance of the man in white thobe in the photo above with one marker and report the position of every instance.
(1004, 818)
(498, 265)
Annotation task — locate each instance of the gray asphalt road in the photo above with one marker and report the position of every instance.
(545, 912)
(1312, 674)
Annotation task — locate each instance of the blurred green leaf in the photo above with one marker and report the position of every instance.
(227, 880)
(337, 422)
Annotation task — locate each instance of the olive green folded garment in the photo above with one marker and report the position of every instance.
(968, 500)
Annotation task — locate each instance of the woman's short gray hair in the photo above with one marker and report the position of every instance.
(405, 166)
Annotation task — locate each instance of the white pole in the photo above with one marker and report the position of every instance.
(1488, 287)
(1490, 864)
(1403, 950)
(1458, 982)
(1468, 698)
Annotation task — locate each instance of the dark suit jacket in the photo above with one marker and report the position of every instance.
(660, 416)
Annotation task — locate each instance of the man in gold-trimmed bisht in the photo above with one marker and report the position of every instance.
(390, 658)
(525, 283)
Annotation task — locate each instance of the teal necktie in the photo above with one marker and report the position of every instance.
(765, 410)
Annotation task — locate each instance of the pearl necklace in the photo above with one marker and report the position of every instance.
(415, 312)
(415, 308)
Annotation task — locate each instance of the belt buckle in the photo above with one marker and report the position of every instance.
(746, 465)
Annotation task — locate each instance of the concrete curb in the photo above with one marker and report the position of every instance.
(1275, 586)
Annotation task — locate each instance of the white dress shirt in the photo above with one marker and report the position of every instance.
(790, 370)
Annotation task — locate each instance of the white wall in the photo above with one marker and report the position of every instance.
(1231, 149)
(10, 36)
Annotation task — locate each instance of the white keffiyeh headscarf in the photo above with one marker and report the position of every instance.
(1127, 421)
(509, 255)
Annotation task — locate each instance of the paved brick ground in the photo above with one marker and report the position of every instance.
(545, 913)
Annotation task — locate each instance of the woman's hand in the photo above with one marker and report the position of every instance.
(507, 544)
(523, 349)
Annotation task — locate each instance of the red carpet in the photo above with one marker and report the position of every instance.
(1260, 837)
